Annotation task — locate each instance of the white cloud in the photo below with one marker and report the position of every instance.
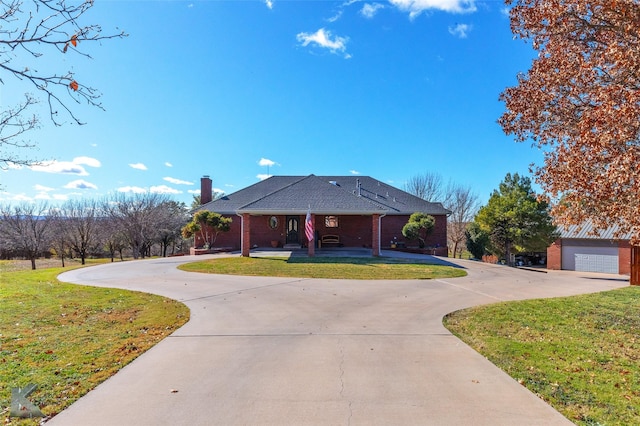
(64, 167)
(45, 196)
(218, 190)
(138, 166)
(269, 3)
(266, 162)
(10, 166)
(323, 38)
(134, 189)
(335, 17)
(263, 176)
(416, 7)
(369, 10)
(80, 184)
(177, 181)
(193, 191)
(74, 167)
(42, 196)
(16, 197)
(164, 189)
(42, 188)
(354, 172)
(168, 164)
(87, 161)
(460, 30)
(341, 8)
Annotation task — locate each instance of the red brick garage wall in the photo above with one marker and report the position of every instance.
(624, 258)
(554, 255)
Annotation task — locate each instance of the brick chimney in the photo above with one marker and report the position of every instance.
(206, 194)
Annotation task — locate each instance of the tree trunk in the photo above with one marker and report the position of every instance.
(33, 263)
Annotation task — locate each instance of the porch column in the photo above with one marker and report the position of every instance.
(246, 234)
(311, 246)
(375, 235)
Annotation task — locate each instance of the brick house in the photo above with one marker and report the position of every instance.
(346, 211)
(579, 248)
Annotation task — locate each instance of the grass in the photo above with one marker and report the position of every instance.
(364, 268)
(68, 338)
(580, 354)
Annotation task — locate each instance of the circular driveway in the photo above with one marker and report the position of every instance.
(290, 351)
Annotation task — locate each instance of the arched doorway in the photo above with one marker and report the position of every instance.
(293, 225)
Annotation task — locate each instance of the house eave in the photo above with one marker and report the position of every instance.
(299, 212)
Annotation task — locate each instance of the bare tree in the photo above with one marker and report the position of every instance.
(80, 218)
(59, 238)
(428, 186)
(464, 205)
(30, 29)
(137, 217)
(26, 228)
(112, 237)
(13, 123)
(173, 216)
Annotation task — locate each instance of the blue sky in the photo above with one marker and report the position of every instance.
(240, 89)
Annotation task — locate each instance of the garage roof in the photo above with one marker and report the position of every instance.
(587, 231)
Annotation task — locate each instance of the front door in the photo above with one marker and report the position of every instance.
(292, 230)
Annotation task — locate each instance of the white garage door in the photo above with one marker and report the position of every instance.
(587, 257)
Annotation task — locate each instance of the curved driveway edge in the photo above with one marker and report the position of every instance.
(288, 351)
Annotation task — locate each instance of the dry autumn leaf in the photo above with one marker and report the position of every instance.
(580, 103)
(74, 86)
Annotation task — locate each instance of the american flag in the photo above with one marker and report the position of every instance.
(308, 226)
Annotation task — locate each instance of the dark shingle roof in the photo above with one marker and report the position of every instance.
(323, 195)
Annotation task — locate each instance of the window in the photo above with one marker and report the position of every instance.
(331, 221)
(273, 222)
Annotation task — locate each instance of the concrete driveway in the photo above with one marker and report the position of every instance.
(288, 351)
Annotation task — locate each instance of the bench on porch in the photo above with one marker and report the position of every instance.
(330, 239)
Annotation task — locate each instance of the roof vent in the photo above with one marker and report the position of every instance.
(333, 182)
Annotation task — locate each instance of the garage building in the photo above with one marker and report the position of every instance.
(580, 249)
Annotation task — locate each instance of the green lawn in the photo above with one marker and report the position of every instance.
(580, 354)
(364, 268)
(68, 338)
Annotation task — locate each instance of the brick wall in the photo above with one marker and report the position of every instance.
(554, 255)
(624, 258)
(392, 231)
(229, 239)
(354, 231)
